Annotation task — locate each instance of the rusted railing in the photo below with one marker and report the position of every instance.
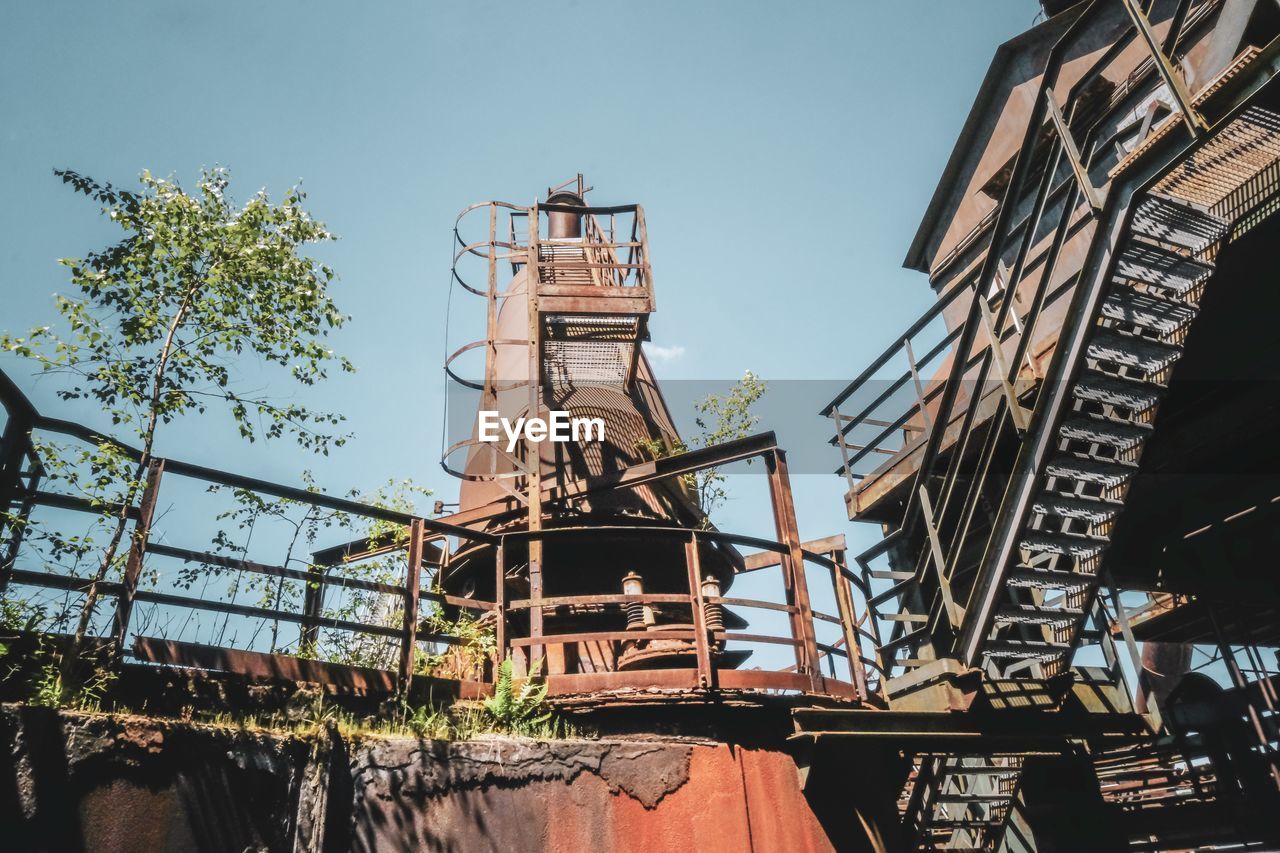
(426, 544)
(19, 451)
(860, 679)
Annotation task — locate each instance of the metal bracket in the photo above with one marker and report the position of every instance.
(954, 613)
(915, 377)
(1019, 415)
(1087, 189)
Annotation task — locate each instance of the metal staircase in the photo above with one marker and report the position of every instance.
(966, 802)
(1133, 346)
(1047, 593)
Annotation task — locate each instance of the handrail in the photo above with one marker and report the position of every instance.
(849, 423)
(696, 600)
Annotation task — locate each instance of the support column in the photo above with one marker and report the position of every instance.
(533, 451)
(137, 551)
(797, 588)
(706, 675)
(312, 608)
(412, 589)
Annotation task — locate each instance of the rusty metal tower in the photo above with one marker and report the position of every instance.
(602, 549)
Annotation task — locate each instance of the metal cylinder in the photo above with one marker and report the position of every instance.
(713, 612)
(633, 584)
(1163, 666)
(564, 225)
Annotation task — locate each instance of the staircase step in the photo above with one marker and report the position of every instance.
(1030, 614)
(979, 770)
(1092, 510)
(1026, 577)
(1128, 351)
(1062, 543)
(1101, 431)
(1160, 267)
(1129, 393)
(992, 799)
(1109, 474)
(1004, 649)
(1170, 221)
(1126, 305)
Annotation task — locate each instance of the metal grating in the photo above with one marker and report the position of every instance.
(588, 350)
(1235, 155)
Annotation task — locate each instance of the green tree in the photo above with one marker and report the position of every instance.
(164, 316)
(720, 418)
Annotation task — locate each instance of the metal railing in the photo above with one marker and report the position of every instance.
(398, 626)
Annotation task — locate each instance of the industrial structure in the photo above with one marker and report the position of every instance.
(601, 560)
(1072, 452)
(589, 564)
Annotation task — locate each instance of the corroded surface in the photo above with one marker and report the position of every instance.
(100, 783)
(96, 782)
(410, 768)
(570, 796)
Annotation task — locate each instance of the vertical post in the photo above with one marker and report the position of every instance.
(13, 451)
(500, 598)
(693, 561)
(873, 627)
(312, 608)
(533, 453)
(412, 588)
(18, 528)
(1242, 684)
(848, 623)
(137, 550)
(797, 588)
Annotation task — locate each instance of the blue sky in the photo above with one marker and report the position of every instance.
(784, 154)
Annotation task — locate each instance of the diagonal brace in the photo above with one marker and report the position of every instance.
(1195, 122)
(1087, 189)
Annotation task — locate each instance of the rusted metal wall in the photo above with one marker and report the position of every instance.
(617, 796)
(101, 783)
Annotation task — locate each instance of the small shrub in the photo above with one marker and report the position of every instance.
(519, 711)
